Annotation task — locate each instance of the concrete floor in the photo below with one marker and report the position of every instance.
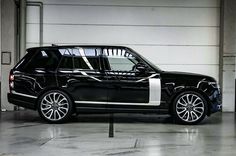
(24, 133)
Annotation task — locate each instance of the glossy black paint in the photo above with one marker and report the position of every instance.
(106, 86)
(174, 83)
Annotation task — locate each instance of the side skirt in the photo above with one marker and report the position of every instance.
(106, 108)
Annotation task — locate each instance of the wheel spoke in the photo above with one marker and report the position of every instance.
(195, 114)
(195, 110)
(197, 103)
(192, 116)
(182, 111)
(54, 97)
(199, 108)
(59, 109)
(47, 101)
(50, 98)
(196, 100)
(184, 101)
(50, 116)
(57, 112)
(46, 108)
(183, 104)
(62, 100)
(189, 101)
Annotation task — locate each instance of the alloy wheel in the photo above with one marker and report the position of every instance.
(190, 107)
(54, 106)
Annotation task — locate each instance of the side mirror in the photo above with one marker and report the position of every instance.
(141, 67)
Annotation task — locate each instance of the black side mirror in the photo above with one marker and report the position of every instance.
(141, 67)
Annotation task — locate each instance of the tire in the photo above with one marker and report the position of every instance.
(189, 108)
(55, 106)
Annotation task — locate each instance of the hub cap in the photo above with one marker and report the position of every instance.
(190, 107)
(54, 106)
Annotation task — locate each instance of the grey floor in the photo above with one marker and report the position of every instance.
(24, 133)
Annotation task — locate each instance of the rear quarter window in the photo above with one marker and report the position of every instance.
(47, 59)
(21, 65)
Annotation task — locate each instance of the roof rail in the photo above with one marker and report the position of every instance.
(54, 45)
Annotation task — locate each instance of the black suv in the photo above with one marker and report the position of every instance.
(61, 80)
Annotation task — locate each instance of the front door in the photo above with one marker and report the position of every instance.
(127, 83)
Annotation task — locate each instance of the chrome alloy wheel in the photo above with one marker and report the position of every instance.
(190, 107)
(54, 106)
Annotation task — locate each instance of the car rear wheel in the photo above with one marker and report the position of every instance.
(189, 108)
(55, 106)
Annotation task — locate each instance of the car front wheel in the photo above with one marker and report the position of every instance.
(55, 106)
(189, 108)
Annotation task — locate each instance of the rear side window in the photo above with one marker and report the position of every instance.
(45, 59)
(86, 58)
(67, 59)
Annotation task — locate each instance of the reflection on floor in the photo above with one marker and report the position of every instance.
(24, 133)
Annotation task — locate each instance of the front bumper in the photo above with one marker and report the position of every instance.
(216, 101)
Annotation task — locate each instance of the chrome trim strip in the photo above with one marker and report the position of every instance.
(151, 76)
(155, 91)
(21, 94)
(115, 103)
(92, 77)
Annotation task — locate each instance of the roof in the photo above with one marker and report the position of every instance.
(72, 46)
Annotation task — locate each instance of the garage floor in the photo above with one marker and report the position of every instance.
(24, 133)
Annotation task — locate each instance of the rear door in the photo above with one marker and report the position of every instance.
(88, 78)
(80, 74)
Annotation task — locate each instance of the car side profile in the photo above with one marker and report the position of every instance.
(58, 81)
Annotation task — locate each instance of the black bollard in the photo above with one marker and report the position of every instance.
(111, 126)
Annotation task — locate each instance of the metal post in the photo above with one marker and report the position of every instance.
(111, 126)
(22, 27)
(221, 44)
(40, 5)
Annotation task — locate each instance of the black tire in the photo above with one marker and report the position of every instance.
(55, 106)
(189, 108)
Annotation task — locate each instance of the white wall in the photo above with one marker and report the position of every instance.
(174, 34)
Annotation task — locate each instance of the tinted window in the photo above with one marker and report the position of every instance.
(21, 65)
(86, 58)
(46, 59)
(67, 59)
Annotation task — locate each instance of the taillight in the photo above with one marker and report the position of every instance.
(11, 77)
(11, 81)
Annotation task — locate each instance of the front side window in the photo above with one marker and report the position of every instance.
(120, 60)
(86, 58)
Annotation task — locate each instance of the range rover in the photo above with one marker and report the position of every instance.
(58, 81)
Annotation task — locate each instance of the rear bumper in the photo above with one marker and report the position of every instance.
(22, 100)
